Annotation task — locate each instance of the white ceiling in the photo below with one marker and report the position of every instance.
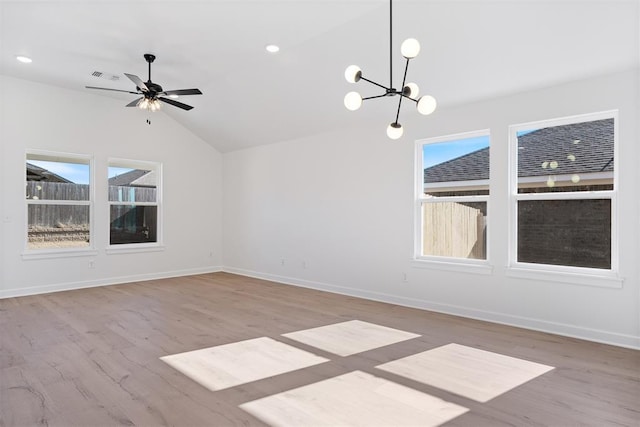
(471, 50)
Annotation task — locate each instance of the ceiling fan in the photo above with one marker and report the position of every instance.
(151, 92)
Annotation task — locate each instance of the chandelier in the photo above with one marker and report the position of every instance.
(409, 49)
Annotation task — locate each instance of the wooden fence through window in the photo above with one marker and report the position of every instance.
(454, 230)
(59, 215)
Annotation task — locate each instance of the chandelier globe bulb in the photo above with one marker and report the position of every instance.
(353, 101)
(410, 48)
(395, 130)
(411, 90)
(352, 74)
(426, 105)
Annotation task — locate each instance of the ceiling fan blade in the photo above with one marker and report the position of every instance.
(143, 87)
(182, 92)
(134, 103)
(176, 103)
(113, 90)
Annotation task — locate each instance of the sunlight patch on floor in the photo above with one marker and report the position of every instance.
(476, 374)
(229, 365)
(353, 399)
(347, 338)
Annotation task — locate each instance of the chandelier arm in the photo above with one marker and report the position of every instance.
(408, 97)
(374, 97)
(404, 79)
(374, 83)
(398, 112)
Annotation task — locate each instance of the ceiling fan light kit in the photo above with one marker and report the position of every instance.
(409, 49)
(147, 104)
(152, 93)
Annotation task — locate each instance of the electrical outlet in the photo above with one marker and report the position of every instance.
(282, 262)
(92, 264)
(404, 278)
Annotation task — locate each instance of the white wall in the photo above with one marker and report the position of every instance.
(338, 209)
(35, 116)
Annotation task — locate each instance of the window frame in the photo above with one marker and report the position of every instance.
(53, 156)
(481, 266)
(589, 276)
(123, 248)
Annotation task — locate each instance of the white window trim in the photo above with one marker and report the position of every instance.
(58, 253)
(566, 274)
(132, 248)
(31, 254)
(458, 184)
(128, 248)
(440, 262)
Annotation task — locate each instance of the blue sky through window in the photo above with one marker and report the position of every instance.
(440, 152)
(77, 173)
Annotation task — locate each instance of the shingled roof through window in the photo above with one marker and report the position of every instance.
(581, 148)
(36, 173)
(134, 178)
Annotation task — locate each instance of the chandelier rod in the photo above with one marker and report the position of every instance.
(391, 44)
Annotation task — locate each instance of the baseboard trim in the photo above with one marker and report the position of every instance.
(60, 287)
(572, 331)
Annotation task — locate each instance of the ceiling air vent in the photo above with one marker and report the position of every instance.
(106, 76)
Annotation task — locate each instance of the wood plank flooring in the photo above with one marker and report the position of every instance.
(92, 357)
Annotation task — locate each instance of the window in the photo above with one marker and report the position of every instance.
(452, 196)
(563, 193)
(134, 202)
(59, 201)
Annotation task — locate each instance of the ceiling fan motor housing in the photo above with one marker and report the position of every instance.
(154, 88)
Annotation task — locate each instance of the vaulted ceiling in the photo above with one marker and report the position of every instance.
(471, 50)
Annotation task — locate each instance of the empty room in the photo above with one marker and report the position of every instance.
(320, 213)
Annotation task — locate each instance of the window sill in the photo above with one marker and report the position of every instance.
(134, 248)
(592, 277)
(479, 267)
(58, 253)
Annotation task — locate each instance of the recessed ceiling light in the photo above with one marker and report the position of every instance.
(272, 48)
(174, 96)
(24, 59)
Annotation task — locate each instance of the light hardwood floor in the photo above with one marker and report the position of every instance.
(92, 357)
